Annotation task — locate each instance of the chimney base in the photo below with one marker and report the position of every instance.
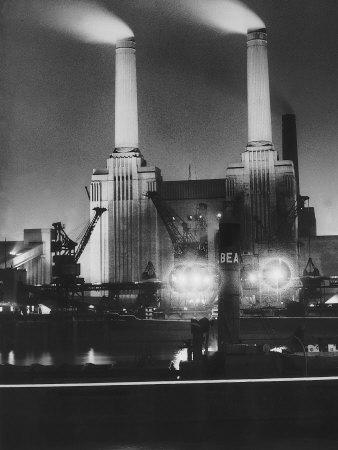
(126, 150)
(254, 146)
(259, 144)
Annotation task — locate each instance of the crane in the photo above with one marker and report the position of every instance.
(190, 246)
(64, 246)
(292, 214)
(84, 241)
(66, 269)
(182, 238)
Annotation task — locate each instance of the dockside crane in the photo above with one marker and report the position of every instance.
(66, 269)
(183, 240)
(85, 239)
(292, 213)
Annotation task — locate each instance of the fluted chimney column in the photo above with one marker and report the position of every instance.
(259, 114)
(126, 120)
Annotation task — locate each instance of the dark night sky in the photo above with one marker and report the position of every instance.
(58, 100)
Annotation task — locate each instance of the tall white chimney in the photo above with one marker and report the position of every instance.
(126, 120)
(259, 114)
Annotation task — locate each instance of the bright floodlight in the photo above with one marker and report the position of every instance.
(195, 278)
(252, 277)
(179, 278)
(192, 278)
(276, 273)
(207, 279)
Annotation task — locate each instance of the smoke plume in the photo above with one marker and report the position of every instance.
(84, 20)
(230, 16)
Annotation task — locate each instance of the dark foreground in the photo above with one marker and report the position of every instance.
(174, 415)
(168, 415)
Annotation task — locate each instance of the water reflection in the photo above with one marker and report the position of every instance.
(94, 357)
(180, 355)
(46, 358)
(11, 357)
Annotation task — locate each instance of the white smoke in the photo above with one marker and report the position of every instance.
(231, 16)
(84, 20)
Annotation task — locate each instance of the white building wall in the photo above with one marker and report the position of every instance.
(126, 237)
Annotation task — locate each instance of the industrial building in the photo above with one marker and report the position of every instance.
(261, 190)
(32, 254)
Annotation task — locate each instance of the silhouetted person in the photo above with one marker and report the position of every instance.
(297, 342)
(200, 336)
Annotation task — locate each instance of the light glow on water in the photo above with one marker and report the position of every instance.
(91, 356)
(94, 357)
(278, 349)
(180, 355)
(11, 357)
(47, 358)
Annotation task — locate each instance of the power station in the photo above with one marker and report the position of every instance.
(208, 309)
(261, 188)
(150, 222)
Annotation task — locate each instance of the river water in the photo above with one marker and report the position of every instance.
(90, 356)
(48, 358)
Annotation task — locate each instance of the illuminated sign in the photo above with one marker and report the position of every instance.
(228, 258)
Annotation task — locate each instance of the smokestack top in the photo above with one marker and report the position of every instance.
(128, 42)
(254, 35)
(259, 115)
(126, 119)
